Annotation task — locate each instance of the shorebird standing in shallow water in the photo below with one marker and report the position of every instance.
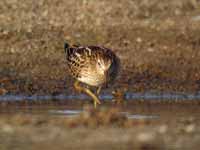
(93, 65)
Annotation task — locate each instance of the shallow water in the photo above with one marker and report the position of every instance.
(127, 96)
(73, 113)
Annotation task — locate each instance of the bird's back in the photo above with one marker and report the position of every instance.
(82, 63)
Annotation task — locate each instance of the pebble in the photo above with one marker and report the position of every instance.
(163, 129)
(145, 137)
(7, 129)
(190, 128)
(150, 49)
(139, 40)
(3, 91)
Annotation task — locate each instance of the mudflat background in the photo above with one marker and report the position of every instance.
(158, 42)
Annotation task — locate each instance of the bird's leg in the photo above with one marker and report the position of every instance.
(99, 90)
(118, 96)
(88, 92)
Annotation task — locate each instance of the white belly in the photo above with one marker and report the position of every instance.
(92, 80)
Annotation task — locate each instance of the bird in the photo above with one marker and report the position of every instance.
(95, 66)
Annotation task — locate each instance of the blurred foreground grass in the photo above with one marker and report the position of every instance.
(103, 128)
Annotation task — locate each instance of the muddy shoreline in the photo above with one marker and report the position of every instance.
(158, 52)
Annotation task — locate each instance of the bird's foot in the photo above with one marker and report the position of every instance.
(88, 92)
(118, 96)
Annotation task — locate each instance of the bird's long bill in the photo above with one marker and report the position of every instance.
(106, 73)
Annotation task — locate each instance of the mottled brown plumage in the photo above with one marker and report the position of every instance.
(93, 65)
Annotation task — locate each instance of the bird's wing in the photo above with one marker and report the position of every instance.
(77, 59)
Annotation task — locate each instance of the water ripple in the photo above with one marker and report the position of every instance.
(128, 96)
